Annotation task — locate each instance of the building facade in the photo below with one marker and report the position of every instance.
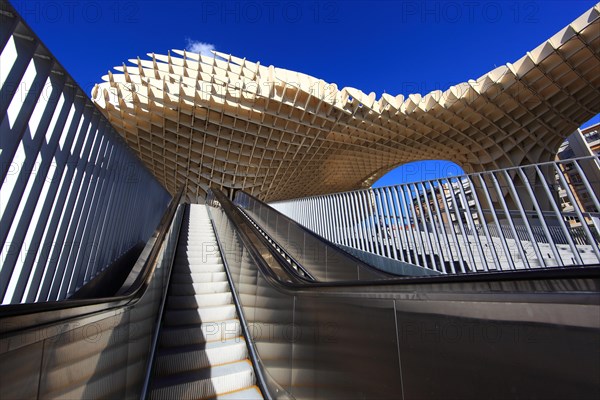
(581, 143)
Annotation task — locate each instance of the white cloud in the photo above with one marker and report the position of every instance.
(196, 46)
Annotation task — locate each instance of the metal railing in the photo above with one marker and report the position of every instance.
(74, 197)
(505, 219)
(92, 348)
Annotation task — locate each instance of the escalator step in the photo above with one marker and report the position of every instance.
(204, 383)
(200, 256)
(199, 300)
(199, 315)
(246, 394)
(181, 359)
(194, 334)
(197, 277)
(198, 235)
(197, 244)
(199, 288)
(186, 266)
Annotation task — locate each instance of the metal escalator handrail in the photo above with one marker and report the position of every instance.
(253, 352)
(322, 240)
(309, 277)
(50, 312)
(158, 321)
(262, 258)
(271, 271)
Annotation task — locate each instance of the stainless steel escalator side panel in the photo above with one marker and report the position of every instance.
(472, 358)
(92, 361)
(345, 348)
(272, 327)
(20, 371)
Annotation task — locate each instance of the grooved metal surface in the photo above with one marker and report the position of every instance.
(201, 351)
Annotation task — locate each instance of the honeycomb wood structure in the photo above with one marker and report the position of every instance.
(226, 122)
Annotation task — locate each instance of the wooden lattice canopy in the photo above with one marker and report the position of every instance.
(224, 121)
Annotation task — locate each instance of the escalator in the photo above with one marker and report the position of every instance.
(171, 331)
(526, 334)
(213, 309)
(201, 349)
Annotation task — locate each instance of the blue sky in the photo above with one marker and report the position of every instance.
(398, 47)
